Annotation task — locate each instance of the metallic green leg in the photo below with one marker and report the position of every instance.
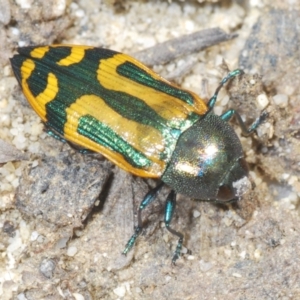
(149, 198)
(246, 131)
(55, 135)
(169, 211)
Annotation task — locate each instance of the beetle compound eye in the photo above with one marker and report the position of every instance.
(225, 193)
(244, 164)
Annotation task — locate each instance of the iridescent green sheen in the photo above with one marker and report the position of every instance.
(133, 72)
(100, 133)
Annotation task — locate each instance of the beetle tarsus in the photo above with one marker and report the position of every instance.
(177, 251)
(246, 131)
(132, 240)
(169, 211)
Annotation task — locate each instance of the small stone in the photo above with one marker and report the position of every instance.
(47, 267)
(72, 251)
(257, 254)
(78, 296)
(205, 266)
(54, 9)
(120, 291)
(196, 214)
(24, 4)
(34, 235)
(262, 101)
(5, 12)
(21, 296)
(281, 100)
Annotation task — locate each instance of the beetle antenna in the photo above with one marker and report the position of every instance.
(231, 75)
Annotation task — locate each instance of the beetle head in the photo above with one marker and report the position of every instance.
(208, 162)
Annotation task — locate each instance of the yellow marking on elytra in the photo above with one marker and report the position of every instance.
(143, 138)
(76, 56)
(170, 108)
(47, 95)
(39, 52)
(39, 102)
(26, 69)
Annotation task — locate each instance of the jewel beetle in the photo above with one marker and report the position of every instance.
(108, 102)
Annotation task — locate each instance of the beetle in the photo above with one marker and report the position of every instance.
(109, 102)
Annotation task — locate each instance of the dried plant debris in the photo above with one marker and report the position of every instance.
(62, 190)
(10, 153)
(5, 13)
(184, 45)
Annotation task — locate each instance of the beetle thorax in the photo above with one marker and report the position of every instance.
(207, 161)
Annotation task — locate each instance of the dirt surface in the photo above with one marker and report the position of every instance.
(65, 217)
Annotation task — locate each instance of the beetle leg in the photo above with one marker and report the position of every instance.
(230, 75)
(54, 134)
(80, 149)
(246, 131)
(169, 211)
(148, 199)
